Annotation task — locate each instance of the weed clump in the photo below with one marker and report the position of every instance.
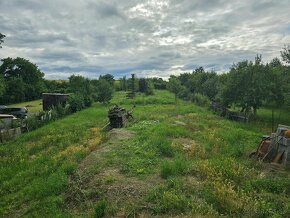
(100, 209)
(179, 166)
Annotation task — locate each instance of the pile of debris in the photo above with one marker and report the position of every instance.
(119, 116)
(231, 115)
(275, 148)
(10, 127)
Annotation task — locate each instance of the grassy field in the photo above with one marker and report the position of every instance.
(32, 106)
(171, 161)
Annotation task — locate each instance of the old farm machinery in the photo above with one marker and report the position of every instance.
(275, 148)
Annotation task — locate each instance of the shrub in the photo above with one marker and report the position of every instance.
(88, 101)
(33, 122)
(61, 110)
(105, 91)
(76, 103)
(200, 100)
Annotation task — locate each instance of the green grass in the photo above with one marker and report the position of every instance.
(35, 168)
(264, 118)
(180, 160)
(32, 106)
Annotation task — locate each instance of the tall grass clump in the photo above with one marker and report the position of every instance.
(200, 100)
(100, 209)
(178, 166)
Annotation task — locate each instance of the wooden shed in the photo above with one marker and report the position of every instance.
(50, 100)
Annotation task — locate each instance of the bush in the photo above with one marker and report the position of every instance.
(105, 91)
(76, 103)
(88, 101)
(61, 110)
(33, 122)
(200, 100)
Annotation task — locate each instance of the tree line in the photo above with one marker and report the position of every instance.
(248, 85)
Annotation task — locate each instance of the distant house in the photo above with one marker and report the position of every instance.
(50, 100)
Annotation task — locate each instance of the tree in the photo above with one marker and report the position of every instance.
(150, 88)
(31, 77)
(123, 84)
(80, 85)
(158, 83)
(15, 90)
(247, 85)
(174, 86)
(104, 91)
(2, 86)
(1, 39)
(109, 78)
(285, 54)
(132, 87)
(142, 85)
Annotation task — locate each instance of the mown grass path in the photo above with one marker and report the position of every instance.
(173, 160)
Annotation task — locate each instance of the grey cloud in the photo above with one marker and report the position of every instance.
(149, 37)
(106, 10)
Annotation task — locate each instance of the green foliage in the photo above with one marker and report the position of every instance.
(178, 166)
(170, 198)
(247, 85)
(33, 122)
(199, 81)
(100, 209)
(200, 100)
(56, 86)
(2, 86)
(15, 90)
(174, 86)
(173, 160)
(34, 174)
(285, 54)
(164, 146)
(109, 78)
(158, 83)
(145, 86)
(23, 80)
(277, 186)
(88, 101)
(104, 91)
(132, 87)
(123, 84)
(76, 102)
(80, 85)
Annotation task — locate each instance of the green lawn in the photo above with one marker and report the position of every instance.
(171, 161)
(32, 106)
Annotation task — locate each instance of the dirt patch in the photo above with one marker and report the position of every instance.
(94, 179)
(179, 116)
(180, 123)
(189, 147)
(120, 134)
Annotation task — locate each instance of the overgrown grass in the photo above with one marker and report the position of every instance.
(35, 168)
(264, 118)
(182, 160)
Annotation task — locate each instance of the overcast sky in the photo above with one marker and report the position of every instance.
(149, 38)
